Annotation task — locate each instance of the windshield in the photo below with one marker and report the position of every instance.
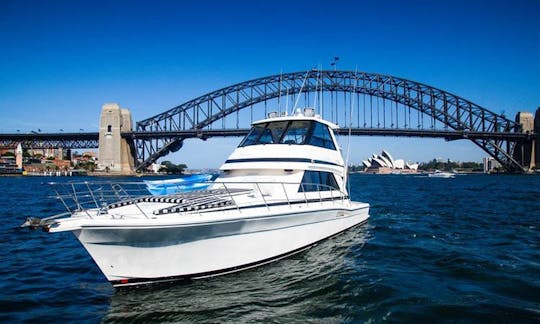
(297, 132)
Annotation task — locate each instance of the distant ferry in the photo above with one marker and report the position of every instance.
(441, 174)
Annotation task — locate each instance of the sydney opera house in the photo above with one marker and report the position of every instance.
(384, 163)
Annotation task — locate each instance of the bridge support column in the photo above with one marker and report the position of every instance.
(114, 152)
(536, 141)
(525, 151)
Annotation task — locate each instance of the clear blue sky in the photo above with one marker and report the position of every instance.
(61, 60)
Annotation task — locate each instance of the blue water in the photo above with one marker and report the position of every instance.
(463, 249)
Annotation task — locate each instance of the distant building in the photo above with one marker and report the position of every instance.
(57, 153)
(385, 163)
(8, 165)
(19, 156)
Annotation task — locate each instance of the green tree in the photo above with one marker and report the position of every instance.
(88, 166)
(171, 168)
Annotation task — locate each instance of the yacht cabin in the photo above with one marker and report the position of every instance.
(299, 151)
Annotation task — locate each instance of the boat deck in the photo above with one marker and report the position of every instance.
(184, 202)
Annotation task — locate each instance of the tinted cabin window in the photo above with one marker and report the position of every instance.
(276, 129)
(321, 137)
(296, 132)
(318, 181)
(269, 133)
(253, 136)
(266, 137)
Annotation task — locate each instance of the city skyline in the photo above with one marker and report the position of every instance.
(63, 60)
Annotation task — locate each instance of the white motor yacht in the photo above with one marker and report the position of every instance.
(281, 191)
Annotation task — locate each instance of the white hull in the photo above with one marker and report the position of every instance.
(145, 254)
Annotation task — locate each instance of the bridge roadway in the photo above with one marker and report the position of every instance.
(50, 140)
(91, 139)
(449, 135)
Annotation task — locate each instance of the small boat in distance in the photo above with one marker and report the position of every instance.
(185, 184)
(441, 174)
(281, 191)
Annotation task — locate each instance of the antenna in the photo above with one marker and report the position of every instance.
(279, 90)
(286, 100)
(299, 94)
(316, 90)
(322, 98)
(346, 182)
(334, 63)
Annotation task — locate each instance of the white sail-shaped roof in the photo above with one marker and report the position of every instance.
(378, 162)
(412, 166)
(386, 161)
(399, 164)
(387, 155)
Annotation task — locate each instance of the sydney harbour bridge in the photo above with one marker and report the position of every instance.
(360, 103)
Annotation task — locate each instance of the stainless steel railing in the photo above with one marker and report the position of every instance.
(95, 198)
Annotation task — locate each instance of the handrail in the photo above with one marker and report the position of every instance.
(285, 192)
(92, 194)
(262, 196)
(230, 196)
(102, 194)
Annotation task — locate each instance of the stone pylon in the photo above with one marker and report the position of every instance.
(114, 152)
(537, 139)
(525, 152)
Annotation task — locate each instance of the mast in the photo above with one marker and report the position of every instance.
(346, 183)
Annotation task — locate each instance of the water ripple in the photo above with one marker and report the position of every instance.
(463, 249)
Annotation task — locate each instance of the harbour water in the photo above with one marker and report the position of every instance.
(462, 249)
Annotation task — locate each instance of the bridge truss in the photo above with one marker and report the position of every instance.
(50, 140)
(371, 104)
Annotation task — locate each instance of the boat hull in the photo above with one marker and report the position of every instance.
(138, 255)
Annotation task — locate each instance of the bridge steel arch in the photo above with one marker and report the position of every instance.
(497, 135)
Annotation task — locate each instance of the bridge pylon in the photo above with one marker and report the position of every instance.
(114, 152)
(525, 150)
(536, 140)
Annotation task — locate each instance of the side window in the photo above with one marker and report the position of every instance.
(321, 137)
(329, 181)
(109, 128)
(253, 135)
(318, 181)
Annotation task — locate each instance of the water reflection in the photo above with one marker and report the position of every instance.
(299, 287)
